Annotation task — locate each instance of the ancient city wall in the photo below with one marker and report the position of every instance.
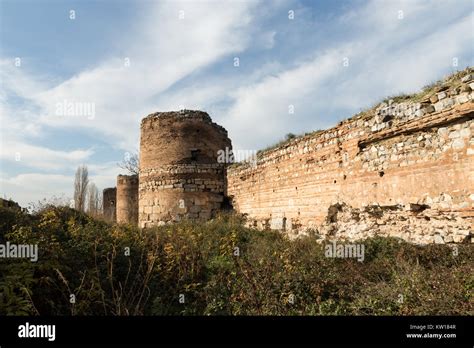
(109, 201)
(127, 199)
(400, 153)
(180, 176)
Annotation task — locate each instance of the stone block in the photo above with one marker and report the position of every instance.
(443, 131)
(276, 223)
(458, 144)
(438, 239)
(439, 106)
(449, 239)
(462, 99)
(467, 78)
(465, 133)
(429, 109)
(454, 135)
(448, 102)
(195, 209)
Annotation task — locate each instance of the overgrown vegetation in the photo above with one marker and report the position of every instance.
(218, 268)
(288, 138)
(452, 81)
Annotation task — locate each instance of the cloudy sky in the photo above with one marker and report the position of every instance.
(126, 59)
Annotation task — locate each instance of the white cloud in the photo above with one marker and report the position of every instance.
(166, 50)
(104, 175)
(161, 53)
(26, 188)
(268, 102)
(386, 54)
(33, 187)
(42, 157)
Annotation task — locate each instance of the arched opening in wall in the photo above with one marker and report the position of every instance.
(227, 203)
(381, 173)
(335, 181)
(284, 224)
(344, 177)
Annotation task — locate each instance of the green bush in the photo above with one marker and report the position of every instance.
(219, 268)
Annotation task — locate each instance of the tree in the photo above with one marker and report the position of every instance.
(100, 207)
(80, 187)
(130, 163)
(93, 199)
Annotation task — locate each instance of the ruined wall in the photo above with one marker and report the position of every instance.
(416, 223)
(396, 154)
(179, 173)
(127, 199)
(109, 201)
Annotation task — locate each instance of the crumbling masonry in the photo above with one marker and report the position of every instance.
(403, 169)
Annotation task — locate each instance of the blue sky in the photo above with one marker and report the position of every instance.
(182, 53)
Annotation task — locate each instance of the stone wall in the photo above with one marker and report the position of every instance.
(399, 153)
(127, 199)
(109, 201)
(179, 173)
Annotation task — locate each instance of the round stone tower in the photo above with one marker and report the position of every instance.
(127, 199)
(180, 175)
